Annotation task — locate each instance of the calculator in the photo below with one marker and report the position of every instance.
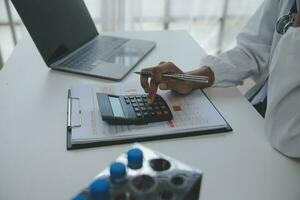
(132, 109)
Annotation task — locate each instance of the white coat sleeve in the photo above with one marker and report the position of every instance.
(282, 120)
(252, 52)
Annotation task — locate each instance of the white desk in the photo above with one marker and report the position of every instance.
(34, 162)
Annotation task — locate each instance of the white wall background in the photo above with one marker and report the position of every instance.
(200, 17)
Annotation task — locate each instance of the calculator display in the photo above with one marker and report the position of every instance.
(116, 106)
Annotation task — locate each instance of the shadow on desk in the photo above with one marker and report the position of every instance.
(75, 76)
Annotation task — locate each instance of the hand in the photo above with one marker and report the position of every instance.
(179, 86)
(297, 21)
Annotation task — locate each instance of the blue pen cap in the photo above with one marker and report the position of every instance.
(100, 189)
(81, 197)
(135, 158)
(117, 171)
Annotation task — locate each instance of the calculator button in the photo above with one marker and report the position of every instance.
(156, 108)
(149, 108)
(133, 100)
(139, 115)
(132, 97)
(155, 103)
(136, 109)
(134, 104)
(127, 101)
(158, 113)
(161, 103)
(163, 107)
(152, 113)
(143, 108)
(145, 113)
(165, 112)
(139, 100)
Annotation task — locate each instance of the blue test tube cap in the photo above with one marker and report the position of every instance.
(80, 197)
(100, 189)
(117, 171)
(135, 158)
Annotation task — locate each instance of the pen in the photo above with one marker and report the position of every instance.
(184, 77)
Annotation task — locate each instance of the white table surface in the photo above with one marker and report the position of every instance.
(34, 162)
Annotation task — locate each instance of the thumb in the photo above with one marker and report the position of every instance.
(163, 86)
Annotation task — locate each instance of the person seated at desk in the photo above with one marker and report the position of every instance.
(268, 51)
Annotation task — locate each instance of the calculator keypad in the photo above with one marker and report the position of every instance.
(158, 111)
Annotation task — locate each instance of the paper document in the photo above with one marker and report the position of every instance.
(192, 112)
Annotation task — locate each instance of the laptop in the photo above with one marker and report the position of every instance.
(67, 39)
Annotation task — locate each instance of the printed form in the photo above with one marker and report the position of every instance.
(192, 112)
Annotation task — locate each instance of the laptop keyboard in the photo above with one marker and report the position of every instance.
(91, 56)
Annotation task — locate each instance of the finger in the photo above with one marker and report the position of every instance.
(152, 91)
(144, 80)
(163, 86)
(165, 67)
(172, 83)
(157, 72)
(162, 62)
(181, 87)
(169, 67)
(177, 86)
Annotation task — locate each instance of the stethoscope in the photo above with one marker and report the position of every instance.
(286, 21)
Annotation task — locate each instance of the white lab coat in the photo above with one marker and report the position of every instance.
(263, 54)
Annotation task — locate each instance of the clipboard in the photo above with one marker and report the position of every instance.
(77, 117)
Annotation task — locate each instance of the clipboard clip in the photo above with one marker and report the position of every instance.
(70, 125)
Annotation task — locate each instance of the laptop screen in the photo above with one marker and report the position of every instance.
(57, 27)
